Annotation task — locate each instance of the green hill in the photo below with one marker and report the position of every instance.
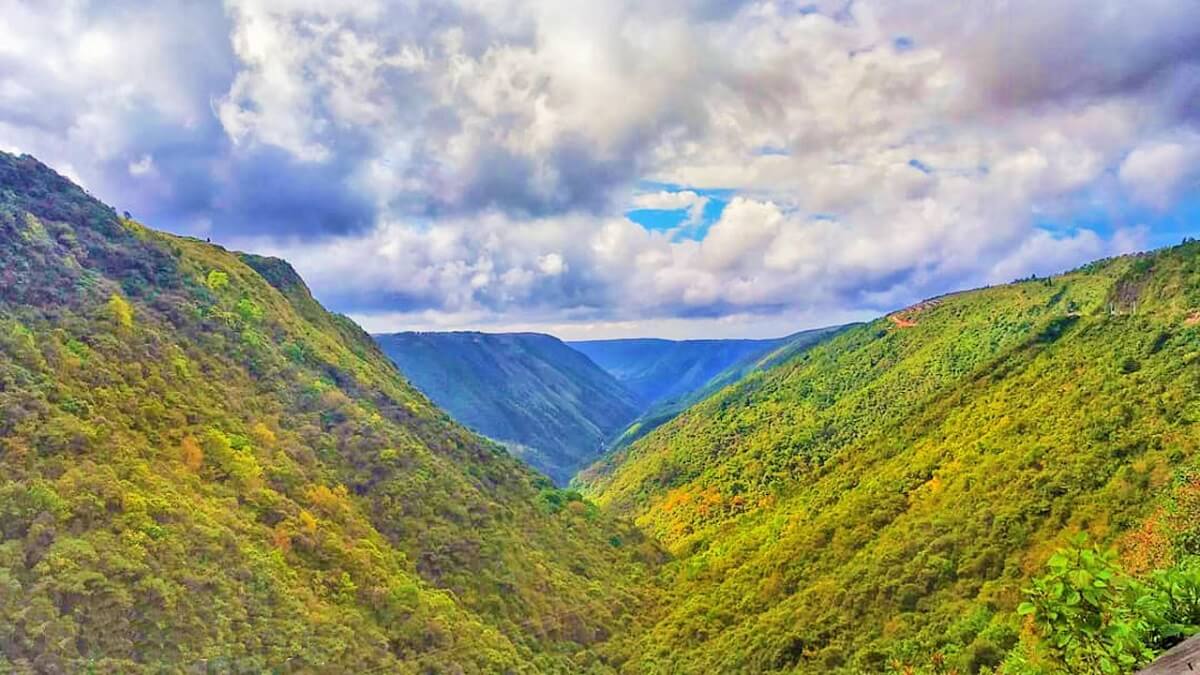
(766, 354)
(878, 502)
(202, 470)
(545, 401)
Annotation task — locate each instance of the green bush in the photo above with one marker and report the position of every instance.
(1092, 617)
(217, 281)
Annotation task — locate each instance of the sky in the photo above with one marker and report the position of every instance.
(674, 168)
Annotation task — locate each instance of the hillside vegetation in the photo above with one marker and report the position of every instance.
(546, 402)
(202, 469)
(880, 501)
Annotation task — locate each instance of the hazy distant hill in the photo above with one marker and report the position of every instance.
(549, 403)
(657, 370)
(699, 356)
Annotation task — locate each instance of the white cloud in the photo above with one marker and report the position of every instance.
(142, 166)
(728, 326)
(473, 158)
(551, 264)
(680, 200)
(1155, 171)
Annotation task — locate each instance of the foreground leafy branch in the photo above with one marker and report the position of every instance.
(1090, 616)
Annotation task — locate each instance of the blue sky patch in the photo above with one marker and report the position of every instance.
(666, 220)
(659, 221)
(772, 151)
(1166, 228)
(920, 166)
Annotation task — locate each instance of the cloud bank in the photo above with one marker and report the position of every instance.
(472, 163)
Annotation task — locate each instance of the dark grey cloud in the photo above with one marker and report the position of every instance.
(267, 191)
(1026, 52)
(209, 172)
(571, 177)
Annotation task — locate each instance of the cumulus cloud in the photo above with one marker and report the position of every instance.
(1027, 52)
(467, 163)
(1157, 170)
(1044, 253)
(664, 200)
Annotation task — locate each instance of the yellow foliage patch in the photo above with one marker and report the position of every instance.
(262, 435)
(308, 522)
(329, 501)
(191, 454)
(120, 311)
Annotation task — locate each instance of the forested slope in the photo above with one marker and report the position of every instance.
(879, 502)
(200, 468)
(548, 403)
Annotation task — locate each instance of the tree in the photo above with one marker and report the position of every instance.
(1092, 617)
(217, 281)
(120, 311)
(191, 454)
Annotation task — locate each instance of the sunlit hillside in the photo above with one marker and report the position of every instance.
(205, 470)
(881, 500)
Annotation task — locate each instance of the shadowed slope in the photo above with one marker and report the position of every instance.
(550, 404)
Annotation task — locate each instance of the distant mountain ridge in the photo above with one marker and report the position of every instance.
(751, 356)
(553, 405)
(656, 369)
(547, 402)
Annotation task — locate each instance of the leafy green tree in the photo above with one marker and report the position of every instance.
(249, 311)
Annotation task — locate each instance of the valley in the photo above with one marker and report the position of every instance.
(205, 469)
(693, 370)
(546, 402)
(554, 407)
